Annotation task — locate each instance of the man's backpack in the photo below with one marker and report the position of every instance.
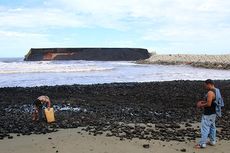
(219, 102)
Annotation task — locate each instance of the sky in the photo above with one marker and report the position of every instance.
(163, 26)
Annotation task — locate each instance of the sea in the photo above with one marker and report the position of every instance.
(14, 72)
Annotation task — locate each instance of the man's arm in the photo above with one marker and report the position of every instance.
(210, 97)
(208, 103)
(200, 103)
(48, 103)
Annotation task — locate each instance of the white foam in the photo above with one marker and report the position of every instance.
(29, 74)
(48, 67)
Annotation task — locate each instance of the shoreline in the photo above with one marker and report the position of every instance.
(203, 61)
(70, 140)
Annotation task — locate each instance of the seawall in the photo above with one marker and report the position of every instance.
(205, 61)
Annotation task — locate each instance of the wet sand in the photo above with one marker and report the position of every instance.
(74, 140)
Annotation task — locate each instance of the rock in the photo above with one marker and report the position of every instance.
(146, 146)
(160, 126)
(149, 125)
(109, 135)
(183, 150)
(188, 125)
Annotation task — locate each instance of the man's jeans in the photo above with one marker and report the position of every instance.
(208, 129)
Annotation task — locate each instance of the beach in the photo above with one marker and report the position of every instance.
(74, 140)
(114, 76)
(151, 108)
(121, 116)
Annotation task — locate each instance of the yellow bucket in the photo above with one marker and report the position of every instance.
(49, 115)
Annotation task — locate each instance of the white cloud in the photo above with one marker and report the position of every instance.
(176, 18)
(38, 17)
(173, 23)
(14, 34)
(169, 9)
(117, 14)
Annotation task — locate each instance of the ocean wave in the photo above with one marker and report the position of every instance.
(55, 70)
(64, 71)
(49, 67)
(10, 60)
(39, 73)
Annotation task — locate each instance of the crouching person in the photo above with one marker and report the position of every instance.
(39, 105)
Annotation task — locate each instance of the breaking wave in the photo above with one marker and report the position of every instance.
(16, 72)
(49, 67)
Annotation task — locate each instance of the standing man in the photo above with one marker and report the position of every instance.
(212, 107)
(39, 104)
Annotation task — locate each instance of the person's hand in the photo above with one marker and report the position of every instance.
(198, 104)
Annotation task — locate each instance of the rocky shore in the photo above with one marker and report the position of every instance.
(153, 111)
(205, 61)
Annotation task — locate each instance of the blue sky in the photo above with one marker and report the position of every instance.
(164, 26)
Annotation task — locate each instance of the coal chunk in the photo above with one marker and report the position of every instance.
(183, 150)
(146, 146)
